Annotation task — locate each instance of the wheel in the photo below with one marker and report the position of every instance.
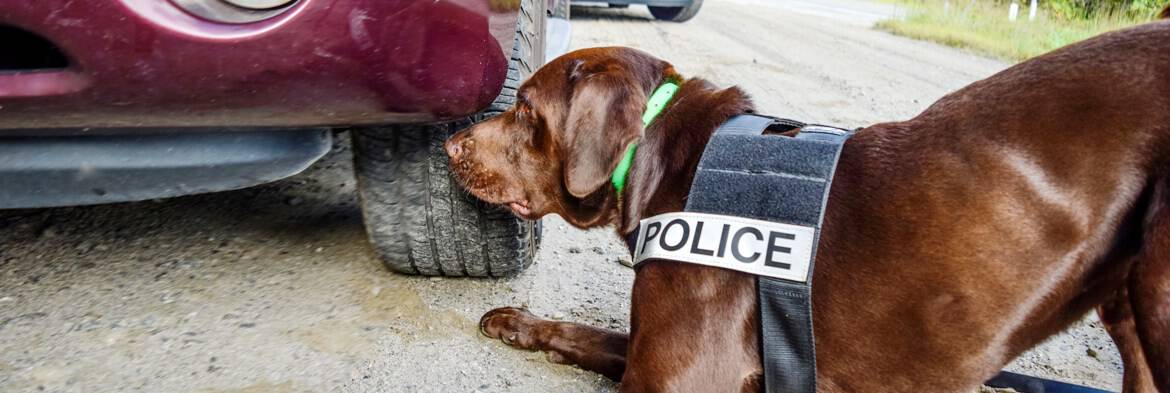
(560, 10)
(417, 217)
(676, 14)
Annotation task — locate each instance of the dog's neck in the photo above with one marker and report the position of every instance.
(671, 147)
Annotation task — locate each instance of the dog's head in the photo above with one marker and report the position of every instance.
(556, 149)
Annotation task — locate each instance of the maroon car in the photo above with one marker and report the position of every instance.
(124, 100)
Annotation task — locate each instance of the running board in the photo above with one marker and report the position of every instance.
(38, 172)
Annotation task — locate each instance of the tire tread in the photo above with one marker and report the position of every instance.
(417, 216)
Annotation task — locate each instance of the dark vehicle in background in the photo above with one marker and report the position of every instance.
(668, 10)
(107, 101)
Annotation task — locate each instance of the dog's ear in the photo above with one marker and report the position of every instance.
(605, 117)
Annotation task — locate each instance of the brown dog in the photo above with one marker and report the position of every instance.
(952, 242)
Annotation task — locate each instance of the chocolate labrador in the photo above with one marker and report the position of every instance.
(952, 241)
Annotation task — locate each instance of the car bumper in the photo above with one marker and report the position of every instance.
(146, 63)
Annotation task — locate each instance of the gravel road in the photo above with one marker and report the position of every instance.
(273, 289)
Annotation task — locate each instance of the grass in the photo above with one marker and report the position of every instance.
(983, 27)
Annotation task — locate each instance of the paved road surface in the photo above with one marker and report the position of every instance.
(273, 289)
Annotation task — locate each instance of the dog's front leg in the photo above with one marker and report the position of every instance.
(594, 349)
(693, 329)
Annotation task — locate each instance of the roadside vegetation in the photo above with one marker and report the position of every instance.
(983, 26)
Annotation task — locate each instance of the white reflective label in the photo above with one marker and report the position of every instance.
(752, 246)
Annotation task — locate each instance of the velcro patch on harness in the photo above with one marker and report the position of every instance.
(757, 247)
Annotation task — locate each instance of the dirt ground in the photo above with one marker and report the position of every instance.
(273, 289)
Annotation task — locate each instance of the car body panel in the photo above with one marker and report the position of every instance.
(148, 63)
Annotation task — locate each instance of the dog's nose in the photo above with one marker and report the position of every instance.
(454, 148)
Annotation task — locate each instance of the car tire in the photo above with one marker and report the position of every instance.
(676, 14)
(418, 218)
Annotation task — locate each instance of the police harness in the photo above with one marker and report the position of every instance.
(756, 205)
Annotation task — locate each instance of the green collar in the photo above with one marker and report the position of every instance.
(654, 106)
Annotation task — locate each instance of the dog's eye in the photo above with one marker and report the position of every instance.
(523, 112)
(523, 107)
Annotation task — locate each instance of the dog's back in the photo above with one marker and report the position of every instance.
(1005, 212)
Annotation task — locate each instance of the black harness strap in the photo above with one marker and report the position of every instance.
(785, 180)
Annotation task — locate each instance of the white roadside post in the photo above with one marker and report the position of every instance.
(1032, 11)
(1013, 11)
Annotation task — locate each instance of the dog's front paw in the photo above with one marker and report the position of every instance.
(514, 326)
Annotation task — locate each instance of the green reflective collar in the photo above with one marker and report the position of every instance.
(658, 101)
(654, 106)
